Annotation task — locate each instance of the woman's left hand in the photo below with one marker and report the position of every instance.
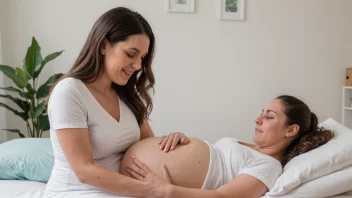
(156, 183)
(170, 141)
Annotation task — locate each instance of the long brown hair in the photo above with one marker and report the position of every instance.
(117, 25)
(309, 136)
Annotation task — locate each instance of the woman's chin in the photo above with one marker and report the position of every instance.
(257, 138)
(120, 82)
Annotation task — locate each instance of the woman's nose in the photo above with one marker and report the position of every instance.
(137, 65)
(258, 121)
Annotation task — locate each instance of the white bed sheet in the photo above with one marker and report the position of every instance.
(344, 195)
(32, 189)
(21, 189)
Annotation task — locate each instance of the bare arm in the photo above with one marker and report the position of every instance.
(77, 148)
(243, 186)
(146, 130)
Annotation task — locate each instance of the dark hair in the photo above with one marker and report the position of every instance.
(117, 25)
(309, 136)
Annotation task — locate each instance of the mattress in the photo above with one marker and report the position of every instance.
(344, 195)
(21, 189)
(32, 189)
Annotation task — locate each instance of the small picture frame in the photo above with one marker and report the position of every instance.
(181, 6)
(230, 9)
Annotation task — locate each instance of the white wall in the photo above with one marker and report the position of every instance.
(3, 134)
(212, 77)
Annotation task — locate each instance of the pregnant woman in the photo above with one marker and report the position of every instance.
(229, 168)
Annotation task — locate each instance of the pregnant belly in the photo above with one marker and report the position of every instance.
(187, 164)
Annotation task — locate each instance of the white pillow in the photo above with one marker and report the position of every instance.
(326, 186)
(328, 158)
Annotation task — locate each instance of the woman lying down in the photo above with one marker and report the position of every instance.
(229, 168)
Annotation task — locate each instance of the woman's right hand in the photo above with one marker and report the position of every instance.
(170, 141)
(157, 185)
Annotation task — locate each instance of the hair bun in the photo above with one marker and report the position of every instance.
(313, 123)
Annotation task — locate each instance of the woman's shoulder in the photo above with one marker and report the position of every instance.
(69, 85)
(230, 146)
(227, 140)
(70, 82)
(68, 91)
(266, 162)
(231, 142)
(68, 88)
(247, 149)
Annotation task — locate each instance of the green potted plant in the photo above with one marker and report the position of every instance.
(30, 99)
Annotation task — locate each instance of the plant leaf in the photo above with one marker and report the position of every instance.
(47, 59)
(39, 109)
(33, 58)
(12, 89)
(31, 112)
(24, 105)
(31, 91)
(44, 124)
(11, 73)
(22, 76)
(23, 115)
(8, 71)
(44, 89)
(15, 131)
(28, 75)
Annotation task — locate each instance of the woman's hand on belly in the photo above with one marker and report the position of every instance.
(187, 164)
(158, 183)
(170, 141)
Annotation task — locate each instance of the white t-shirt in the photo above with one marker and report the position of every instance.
(72, 105)
(228, 158)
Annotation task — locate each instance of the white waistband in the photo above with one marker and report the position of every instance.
(215, 175)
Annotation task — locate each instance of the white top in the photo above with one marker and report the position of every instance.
(72, 105)
(228, 158)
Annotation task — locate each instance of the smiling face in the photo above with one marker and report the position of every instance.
(271, 126)
(124, 58)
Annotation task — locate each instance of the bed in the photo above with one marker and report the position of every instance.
(21, 189)
(25, 167)
(343, 195)
(32, 189)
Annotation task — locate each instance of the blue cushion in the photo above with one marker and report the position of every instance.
(26, 159)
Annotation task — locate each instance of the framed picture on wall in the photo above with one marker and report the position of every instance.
(186, 6)
(230, 9)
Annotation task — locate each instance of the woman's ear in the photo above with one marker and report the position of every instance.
(104, 47)
(292, 130)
